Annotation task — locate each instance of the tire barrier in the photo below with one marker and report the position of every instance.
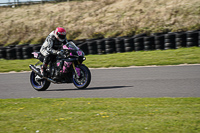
(149, 43)
(170, 41)
(199, 39)
(192, 39)
(119, 45)
(101, 46)
(109, 45)
(36, 48)
(11, 53)
(129, 44)
(92, 47)
(19, 54)
(26, 52)
(3, 52)
(160, 42)
(156, 41)
(181, 40)
(139, 43)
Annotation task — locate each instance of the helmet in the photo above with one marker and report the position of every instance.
(60, 33)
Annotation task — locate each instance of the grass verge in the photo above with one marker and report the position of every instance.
(141, 58)
(100, 115)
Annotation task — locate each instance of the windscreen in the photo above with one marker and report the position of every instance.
(73, 46)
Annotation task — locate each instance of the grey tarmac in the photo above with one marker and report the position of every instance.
(152, 81)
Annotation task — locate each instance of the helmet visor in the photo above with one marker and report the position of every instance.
(61, 36)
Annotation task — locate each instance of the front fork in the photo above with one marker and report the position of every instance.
(73, 64)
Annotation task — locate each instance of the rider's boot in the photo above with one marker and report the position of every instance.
(43, 70)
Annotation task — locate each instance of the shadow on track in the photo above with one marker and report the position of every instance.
(92, 88)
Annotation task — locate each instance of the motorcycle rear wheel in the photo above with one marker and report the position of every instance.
(40, 85)
(85, 78)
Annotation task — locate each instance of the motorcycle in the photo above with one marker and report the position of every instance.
(66, 68)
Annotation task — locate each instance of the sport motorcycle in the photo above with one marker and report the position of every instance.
(65, 68)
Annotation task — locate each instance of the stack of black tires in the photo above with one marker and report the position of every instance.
(18, 51)
(192, 39)
(159, 42)
(119, 45)
(156, 41)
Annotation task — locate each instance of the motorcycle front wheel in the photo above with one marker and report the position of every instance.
(38, 84)
(84, 79)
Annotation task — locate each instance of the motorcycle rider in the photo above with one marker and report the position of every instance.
(52, 46)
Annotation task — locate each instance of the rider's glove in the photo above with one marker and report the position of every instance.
(60, 53)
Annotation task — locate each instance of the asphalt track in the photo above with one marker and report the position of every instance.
(165, 81)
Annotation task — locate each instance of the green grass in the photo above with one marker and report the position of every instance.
(141, 58)
(145, 58)
(156, 115)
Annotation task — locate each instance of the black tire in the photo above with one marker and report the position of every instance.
(149, 38)
(128, 40)
(159, 47)
(119, 41)
(101, 44)
(11, 53)
(192, 39)
(192, 44)
(100, 51)
(170, 46)
(160, 38)
(3, 52)
(27, 52)
(109, 50)
(120, 50)
(181, 40)
(148, 45)
(159, 42)
(147, 48)
(170, 36)
(92, 45)
(192, 34)
(110, 43)
(92, 51)
(119, 45)
(44, 84)
(85, 78)
(128, 49)
(18, 53)
(169, 41)
(109, 46)
(36, 48)
(139, 40)
(139, 46)
(129, 45)
(199, 43)
(181, 35)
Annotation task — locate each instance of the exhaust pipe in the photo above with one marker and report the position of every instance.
(34, 69)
